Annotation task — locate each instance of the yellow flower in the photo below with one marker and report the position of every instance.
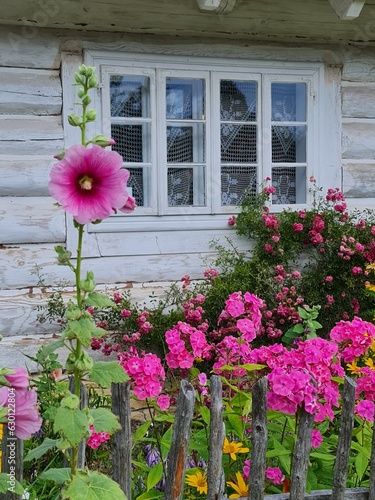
(197, 480)
(231, 448)
(370, 287)
(239, 486)
(369, 362)
(1, 431)
(353, 368)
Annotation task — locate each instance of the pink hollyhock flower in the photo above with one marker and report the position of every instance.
(275, 475)
(27, 419)
(365, 410)
(19, 379)
(129, 205)
(163, 402)
(316, 439)
(89, 183)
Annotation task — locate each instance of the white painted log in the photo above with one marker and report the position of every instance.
(28, 47)
(216, 6)
(28, 128)
(25, 175)
(358, 100)
(30, 91)
(30, 135)
(164, 242)
(358, 140)
(17, 263)
(31, 220)
(358, 179)
(347, 9)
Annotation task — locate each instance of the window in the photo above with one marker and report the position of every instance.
(197, 134)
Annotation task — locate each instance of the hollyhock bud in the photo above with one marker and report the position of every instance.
(91, 115)
(74, 120)
(129, 205)
(102, 141)
(88, 284)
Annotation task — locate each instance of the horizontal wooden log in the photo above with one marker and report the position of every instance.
(28, 47)
(357, 179)
(30, 220)
(17, 263)
(165, 242)
(358, 100)
(30, 92)
(358, 139)
(31, 147)
(25, 175)
(30, 128)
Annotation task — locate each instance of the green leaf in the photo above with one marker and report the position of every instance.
(72, 423)
(141, 431)
(205, 413)
(104, 420)
(92, 485)
(150, 495)
(58, 476)
(236, 424)
(4, 484)
(95, 299)
(104, 373)
(47, 444)
(248, 367)
(154, 476)
(361, 464)
(46, 350)
(166, 442)
(82, 329)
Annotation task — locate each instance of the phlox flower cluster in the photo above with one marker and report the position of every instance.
(145, 371)
(97, 438)
(185, 344)
(354, 337)
(242, 315)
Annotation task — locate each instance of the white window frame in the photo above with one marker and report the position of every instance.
(157, 217)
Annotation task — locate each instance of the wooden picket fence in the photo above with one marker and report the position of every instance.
(179, 451)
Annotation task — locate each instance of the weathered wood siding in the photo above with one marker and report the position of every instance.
(32, 131)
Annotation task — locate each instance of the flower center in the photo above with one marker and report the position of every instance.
(86, 182)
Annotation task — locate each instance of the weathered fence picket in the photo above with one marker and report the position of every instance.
(179, 451)
(122, 440)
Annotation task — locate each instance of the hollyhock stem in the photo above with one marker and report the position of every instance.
(158, 442)
(77, 351)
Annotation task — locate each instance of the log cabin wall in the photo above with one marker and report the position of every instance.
(32, 131)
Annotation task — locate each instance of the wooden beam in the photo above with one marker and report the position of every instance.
(347, 9)
(216, 6)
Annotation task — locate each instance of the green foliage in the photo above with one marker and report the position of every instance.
(105, 373)
(92, 485)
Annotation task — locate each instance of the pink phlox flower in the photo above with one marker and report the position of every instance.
(202, 379)
(247, 328)
(234, 306)
(246, 470)
(316, 438)
(163, 402)
(89, 183)
(97, 438)
(275, 475)
(365, 410)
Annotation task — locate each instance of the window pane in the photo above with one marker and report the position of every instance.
(186, 186)
(290, 184)
(186, 144)
(139, 181)
(185, 99)
(238, 100)
(235, 181)
(288, 102)
(130, 96)
(238, 143)
(289, 144)
(132, 142)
